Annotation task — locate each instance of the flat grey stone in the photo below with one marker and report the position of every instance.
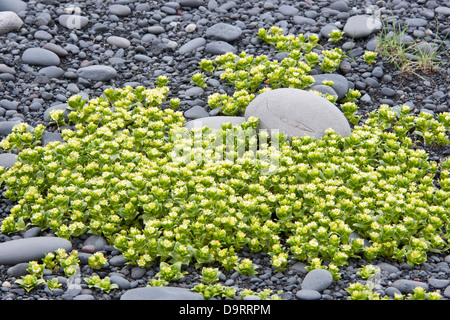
(193, 92)
(51, 72)
(361, 26)
(252, 297)
(438, 283)
(223, 31)
(416, 22)
(286, 10)
(388, 268)
(9, 21)
(443, 10)
(138, 272)
(303, 20)
(142, 58)
(97, 73)
(42, 35)
(195, 113)
(407, 286)
(296, 112)
(100, 27)
(341, 6)
(119, 42)
(191, 45)
(40, 57)
(32, 232)
(372, 45)
(161, 293)
(95, 240)
(29, 249)
(388, 92)
(219, 47)
(299, 267)
(7, 77)
(192, 3)
(73, 21)
(340, 83)
(8, 160)
(5, 69)
(308, 294)
(121, 282)
(317, 279)
(215, 122)
(18, 270)
(120, 10)
(9, 105)
(84, 297)
(60, 51)
(7, 126)
(391, 291)
(156, 30)
(447, 292)
(118, 261)
(15, 6)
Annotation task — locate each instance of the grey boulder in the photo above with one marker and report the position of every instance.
(297, 112)
(97, 73)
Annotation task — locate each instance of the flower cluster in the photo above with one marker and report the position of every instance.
(251, 75)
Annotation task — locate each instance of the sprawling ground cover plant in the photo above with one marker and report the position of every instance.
(118, 174)
(250, 75)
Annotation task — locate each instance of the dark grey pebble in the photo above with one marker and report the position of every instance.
(161, 293)
(407, 286)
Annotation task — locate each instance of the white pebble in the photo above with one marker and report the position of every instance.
(172, 44)
(190, 27)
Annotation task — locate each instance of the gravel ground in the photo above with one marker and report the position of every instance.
(141, 40)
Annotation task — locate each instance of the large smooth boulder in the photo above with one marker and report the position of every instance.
(297, 112)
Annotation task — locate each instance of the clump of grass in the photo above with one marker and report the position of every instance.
(409, 57)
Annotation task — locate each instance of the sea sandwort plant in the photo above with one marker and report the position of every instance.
(130, 173)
